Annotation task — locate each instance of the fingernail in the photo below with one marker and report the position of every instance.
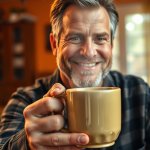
(82, 139)
(54, 90)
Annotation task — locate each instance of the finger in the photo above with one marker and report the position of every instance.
(56, 89)
(63, 139)
(48, 124)
(43, 106)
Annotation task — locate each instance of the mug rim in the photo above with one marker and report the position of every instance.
(92, 89)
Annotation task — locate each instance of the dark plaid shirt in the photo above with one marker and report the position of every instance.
(135, 133)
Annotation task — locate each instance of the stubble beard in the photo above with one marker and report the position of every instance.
(86, 80)
(75, 79)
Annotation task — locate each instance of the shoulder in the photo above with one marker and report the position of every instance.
(37, 90)
(126, 80)
(130, 84)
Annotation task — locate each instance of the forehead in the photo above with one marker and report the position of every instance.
(94, 15)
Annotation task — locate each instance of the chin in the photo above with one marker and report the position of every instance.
(78, 81)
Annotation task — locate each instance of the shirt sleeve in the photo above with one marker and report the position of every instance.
(17, 141)
(12, 134)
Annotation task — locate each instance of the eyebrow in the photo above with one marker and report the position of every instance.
(77, 32)
(104, 34)
(101, 33)
(73, 33)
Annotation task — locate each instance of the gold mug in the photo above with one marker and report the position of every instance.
(95, 111)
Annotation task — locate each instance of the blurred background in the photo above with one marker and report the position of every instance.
(25, 52)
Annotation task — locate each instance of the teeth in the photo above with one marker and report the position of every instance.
(88, 65)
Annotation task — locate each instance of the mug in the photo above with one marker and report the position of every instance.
(95, 111)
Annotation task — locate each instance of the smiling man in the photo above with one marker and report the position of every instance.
(84, 51)
(82, 41)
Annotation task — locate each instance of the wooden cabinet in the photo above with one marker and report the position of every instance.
(16, 57)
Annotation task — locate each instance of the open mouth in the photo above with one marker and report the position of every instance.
(86, 66)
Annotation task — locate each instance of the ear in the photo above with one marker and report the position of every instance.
(53, 44)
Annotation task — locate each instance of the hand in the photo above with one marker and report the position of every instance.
(44, 121)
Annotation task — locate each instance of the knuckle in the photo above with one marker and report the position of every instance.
(51, 104)
(28, 130)
(26, 112)
(58, 122)
(70, 139)
(34, 142)
(55, 140)
(54, 105)
(47, 103)
(58, 85)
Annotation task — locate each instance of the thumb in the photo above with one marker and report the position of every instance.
(57, 90)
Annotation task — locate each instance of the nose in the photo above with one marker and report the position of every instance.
(88, 49)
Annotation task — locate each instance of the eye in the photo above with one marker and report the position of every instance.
(101, 39)
(75, 39)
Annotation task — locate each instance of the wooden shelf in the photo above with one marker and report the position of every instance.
(16, 57)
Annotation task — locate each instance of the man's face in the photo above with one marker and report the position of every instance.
(84, 53)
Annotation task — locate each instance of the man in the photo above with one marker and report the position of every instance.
(82, 41)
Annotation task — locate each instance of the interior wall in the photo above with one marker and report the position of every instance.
(45, 61)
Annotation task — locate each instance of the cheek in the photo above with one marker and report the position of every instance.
(106, 52)
(69, 51)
